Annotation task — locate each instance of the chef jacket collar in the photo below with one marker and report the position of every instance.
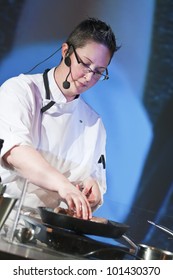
(55, 93)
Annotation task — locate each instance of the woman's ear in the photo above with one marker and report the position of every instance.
(66, 55)
(65, 49)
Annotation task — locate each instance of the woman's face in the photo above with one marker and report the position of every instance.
(87, 65)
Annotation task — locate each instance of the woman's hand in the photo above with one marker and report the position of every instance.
(77, 201)
(91, 190)
(31, 165)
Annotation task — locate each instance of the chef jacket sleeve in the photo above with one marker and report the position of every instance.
(16, 116)
(99, 166)
(17, 107)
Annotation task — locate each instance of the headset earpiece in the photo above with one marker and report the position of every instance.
(67, 60)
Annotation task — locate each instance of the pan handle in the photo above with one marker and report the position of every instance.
(134, 249)
(165, 229)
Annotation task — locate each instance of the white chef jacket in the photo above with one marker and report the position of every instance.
(70, 135)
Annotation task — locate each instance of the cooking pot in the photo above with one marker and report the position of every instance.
(145, 252)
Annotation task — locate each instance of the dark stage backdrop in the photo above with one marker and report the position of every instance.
(135, 104)
(155, 188)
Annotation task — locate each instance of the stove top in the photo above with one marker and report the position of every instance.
(69, 242)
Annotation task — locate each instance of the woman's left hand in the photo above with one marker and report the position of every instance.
(91, 190)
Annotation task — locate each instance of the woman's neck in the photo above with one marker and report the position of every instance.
(59, 77)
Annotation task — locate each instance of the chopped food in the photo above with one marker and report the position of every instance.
(68, 212)
(99, 220)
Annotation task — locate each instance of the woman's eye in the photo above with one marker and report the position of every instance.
(98, 72)
(85, 64)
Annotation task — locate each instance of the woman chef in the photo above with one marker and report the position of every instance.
(52, 138)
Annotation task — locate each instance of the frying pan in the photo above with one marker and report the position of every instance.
(111, 229)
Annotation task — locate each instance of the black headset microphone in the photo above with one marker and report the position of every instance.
(67, 60)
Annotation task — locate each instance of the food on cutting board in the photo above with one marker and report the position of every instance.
(68, 212)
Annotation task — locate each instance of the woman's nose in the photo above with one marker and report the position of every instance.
(89, 76)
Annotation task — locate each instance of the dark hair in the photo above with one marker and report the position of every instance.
(93, 29)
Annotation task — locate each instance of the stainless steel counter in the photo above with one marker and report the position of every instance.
(17, 251)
